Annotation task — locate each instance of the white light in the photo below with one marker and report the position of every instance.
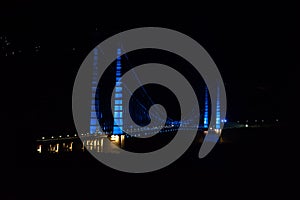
(262, 120)
(52, 137)
(60, 136)
(43, 138)
(113, 137)
(67, 135)
(277, 120)
(75, 135)
(246, 125)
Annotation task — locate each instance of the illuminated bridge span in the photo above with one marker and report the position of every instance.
(95, 139)
(140, 110)
(98, 142)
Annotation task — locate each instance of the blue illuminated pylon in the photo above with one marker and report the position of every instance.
(218, 114)
(118, 107)
(94, 125)
(205, 121)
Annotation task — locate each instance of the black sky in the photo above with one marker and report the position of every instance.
(255, 46)
(252, 45)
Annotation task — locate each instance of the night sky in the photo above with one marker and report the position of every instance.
(43, 45)
(46, 44)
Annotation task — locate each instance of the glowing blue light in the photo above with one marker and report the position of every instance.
(117, 108)
(95, 102)
(117, 101)
(205, 123)
(117, 130)
(93, 121)
(118, 83)
(118, 114)
(118, 95)
(93, 129)
(223, 120)
(118, 89)
(93, 114)
(218, 114)
(119, 121)
(94, 126)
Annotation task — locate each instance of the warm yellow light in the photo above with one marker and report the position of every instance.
(39, 149)
(57, 147)
(101, 144)
(117, 138)
(113, 137)
(71, 146)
